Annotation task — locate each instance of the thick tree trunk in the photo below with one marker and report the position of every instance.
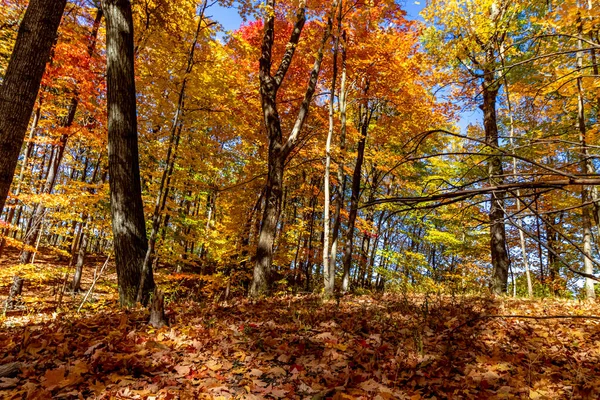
(21, 82)
(127, 208)
(266, 237)
(500, 260)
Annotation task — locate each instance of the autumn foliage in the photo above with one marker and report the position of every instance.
(338, 199)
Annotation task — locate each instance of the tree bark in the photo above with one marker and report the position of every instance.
(278, 149)
(365, 115)
(500, 260)
(22, 80)
(158, 318)
(127, 208)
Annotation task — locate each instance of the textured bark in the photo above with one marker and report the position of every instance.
(158, 318)
(21, 82)
(127, 209)
(500, 260)
(264, 251)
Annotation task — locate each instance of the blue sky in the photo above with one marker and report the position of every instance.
(231, 20)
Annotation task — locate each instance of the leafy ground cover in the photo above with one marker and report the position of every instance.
(355, 347)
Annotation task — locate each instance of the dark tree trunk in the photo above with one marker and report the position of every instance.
(22, 81)
(127, 209)
(365, 116)
(500, 260)
(273, 197)
(83, 243)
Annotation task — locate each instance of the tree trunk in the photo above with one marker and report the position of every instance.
(127, 208)
(158, 318)
(328, 266)
(341, 189)
(500, 261)
(278, 149)
(365, 115)
(266, 237)
(83, 243)
(21, 82)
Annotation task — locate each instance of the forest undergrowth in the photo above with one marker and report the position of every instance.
(392, 346)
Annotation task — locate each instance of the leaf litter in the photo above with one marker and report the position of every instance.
(390, 347)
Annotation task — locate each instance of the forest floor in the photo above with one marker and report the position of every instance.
(360, 347)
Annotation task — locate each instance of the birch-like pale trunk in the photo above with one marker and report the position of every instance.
(328, 267)
(586, 168)
(518, 199)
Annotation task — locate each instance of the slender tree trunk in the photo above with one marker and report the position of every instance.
(21, 82)
(586, 168)
(127, 208)
(518, 199)
(365, 119)
(341, 189)
(328, 267)
(83, 243)
(500, 260)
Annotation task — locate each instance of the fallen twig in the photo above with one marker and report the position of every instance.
(94, 283)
